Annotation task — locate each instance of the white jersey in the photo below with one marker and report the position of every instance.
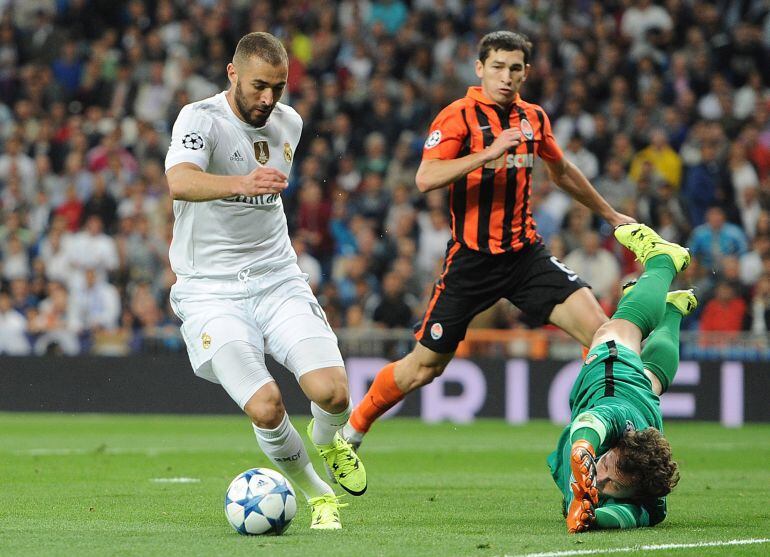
(222, 238)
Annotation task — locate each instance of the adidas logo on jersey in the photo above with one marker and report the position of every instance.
(236, 157)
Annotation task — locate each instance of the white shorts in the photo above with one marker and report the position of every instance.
(272, 316)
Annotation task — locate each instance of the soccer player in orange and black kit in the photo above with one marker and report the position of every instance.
(483, 147)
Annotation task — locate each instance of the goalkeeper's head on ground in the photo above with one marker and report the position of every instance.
(639, 467)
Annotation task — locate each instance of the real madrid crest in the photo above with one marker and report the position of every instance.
(287, 152)
(261, 151)
(206, 341)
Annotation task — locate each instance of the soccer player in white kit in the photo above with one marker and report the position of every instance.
(239, 291)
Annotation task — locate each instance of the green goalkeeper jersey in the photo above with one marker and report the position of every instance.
(611, 395)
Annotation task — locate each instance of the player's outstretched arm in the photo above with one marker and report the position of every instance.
(187, 182)
(570, 179)
(620, 515)
(438, 173)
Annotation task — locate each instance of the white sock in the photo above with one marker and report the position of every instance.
(326, 425)
(351, 434)
(284, 447)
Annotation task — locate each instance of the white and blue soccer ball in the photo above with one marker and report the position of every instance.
(260, 501)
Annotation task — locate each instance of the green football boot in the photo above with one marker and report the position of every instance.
(646, 244)
(343, 462)
(325, 512)
(683, 300)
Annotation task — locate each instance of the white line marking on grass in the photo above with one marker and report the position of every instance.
(635, 548)
(175, 480)
(49, 452)
(149, 451)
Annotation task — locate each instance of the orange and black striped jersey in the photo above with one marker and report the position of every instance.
(490, 206)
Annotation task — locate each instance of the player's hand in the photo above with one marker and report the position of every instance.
(583, 466)
(508, 139)
(580, 516)
(262, 180)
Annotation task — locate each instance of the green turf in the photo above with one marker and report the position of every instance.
(81, 485)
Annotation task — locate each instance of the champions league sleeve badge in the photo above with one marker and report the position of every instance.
(193, 141)
(433, 139)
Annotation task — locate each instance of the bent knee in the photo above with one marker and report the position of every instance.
(335, 399)
(328, 388)
(265, 407)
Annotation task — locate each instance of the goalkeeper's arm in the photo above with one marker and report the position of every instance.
(621, 515)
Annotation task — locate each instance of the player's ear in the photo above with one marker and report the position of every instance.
(232, 74)
(479, 68)
(526, 72)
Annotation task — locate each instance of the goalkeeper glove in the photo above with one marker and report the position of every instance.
(580, 514)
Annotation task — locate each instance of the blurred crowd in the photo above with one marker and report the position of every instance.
(663, 105)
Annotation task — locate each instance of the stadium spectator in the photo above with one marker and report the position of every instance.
(13, 329)
(15, 259)
(393, 307)
(71, 209)
(704, 185)
(15, 163)
(581, 157)
(751, 262)
(760, 307)
(716, 238)
(68, 68)
(312, 224)
(434, 233)
(307, 263)
(597, 266)
(91, 248)
(153, 96)
(647, 26)
(55, 323)
(663, 158)
(97, 304)
(726, 312)
(55, 253)
(101, 203)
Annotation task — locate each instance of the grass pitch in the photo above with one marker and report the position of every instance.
(100, 485)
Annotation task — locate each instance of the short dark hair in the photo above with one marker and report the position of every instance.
(645, 457)
(263, 46)
(504, 40)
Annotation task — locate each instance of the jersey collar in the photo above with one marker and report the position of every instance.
(478, 95)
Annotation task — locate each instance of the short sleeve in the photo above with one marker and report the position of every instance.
(447, 134)
(192, 139)
(610, 421)
(548, 150)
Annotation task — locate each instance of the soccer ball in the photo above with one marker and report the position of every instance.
(260, 501)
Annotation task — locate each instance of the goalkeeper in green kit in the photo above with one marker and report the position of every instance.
(612, 463)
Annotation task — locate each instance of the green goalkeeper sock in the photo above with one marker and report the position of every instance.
(661, 353)
(645, 304)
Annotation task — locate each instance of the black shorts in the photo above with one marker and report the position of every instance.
(531, 279)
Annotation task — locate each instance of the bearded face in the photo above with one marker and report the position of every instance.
(257, 88)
